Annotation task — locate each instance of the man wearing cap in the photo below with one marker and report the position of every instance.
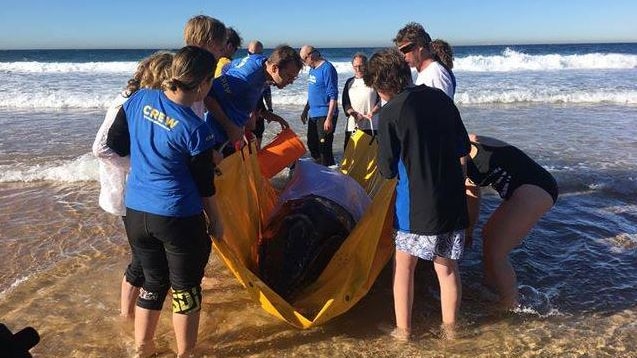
(414, 43)
(321, 107)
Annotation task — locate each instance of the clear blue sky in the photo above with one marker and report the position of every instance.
(34, 24)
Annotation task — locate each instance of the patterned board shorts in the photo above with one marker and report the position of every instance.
(449, 245)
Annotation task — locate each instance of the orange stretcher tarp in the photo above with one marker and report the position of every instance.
(246, 200)
(281, 152)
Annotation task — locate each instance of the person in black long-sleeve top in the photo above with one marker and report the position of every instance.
(421, 140)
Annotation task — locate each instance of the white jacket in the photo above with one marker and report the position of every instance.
(113, 168)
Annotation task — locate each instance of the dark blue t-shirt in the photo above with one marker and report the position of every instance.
(238, 91)
(322, 87)
(164, 136)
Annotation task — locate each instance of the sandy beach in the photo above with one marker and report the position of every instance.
(63, 257)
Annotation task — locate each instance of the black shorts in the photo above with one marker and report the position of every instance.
(172, 251)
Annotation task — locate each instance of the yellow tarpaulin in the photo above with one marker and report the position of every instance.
(246, 200)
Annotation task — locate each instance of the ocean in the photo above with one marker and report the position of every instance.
(573, 108)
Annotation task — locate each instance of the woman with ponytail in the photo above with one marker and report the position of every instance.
(170, 187)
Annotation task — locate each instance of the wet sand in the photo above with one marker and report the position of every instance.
(75, 307)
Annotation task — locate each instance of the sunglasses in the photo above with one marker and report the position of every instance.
(407, 48)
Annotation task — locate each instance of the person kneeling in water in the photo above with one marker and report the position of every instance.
(528, 191)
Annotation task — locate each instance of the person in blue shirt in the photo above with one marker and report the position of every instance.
(170, 186)
(234, 95)
(322, 106)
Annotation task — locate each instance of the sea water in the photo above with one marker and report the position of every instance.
(573, 108)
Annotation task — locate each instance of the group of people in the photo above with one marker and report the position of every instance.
(158, 146)
(183, 112)
(440, 169)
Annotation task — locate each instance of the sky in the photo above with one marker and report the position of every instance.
(158, 24)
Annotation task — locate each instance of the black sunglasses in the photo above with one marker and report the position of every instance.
(407, 48)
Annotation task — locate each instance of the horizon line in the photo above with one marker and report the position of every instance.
(329, 47)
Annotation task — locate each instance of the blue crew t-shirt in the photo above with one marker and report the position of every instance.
(322, 87)
(238, 91)
(164, 136)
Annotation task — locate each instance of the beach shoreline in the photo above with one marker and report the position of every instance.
(571, 108)
(74, 306)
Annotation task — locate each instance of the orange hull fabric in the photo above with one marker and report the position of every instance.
(281, 152)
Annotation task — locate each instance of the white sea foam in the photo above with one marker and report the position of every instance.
(546, 95)
(514, 61)
(56, 99)
(518, 95)
(15, 284)
(67, 99)
(511, 60)
(82, 168)
(517, 78)
(68, 67)
(508, 60)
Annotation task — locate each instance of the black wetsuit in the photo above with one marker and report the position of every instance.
(507, 168)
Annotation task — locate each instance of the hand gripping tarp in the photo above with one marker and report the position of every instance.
(246, 200)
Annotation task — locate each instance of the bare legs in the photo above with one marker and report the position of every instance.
(145, 325)
(450, 289)
(504, 231)
(186, 328)
(404, 269)
(129, 295)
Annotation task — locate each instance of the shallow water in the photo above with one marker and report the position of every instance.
(63, 260)
(572, 108)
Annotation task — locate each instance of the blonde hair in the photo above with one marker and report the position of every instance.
(202, 31)
(190, 67)
(151, 72)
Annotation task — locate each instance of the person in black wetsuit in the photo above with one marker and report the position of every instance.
(528, 191)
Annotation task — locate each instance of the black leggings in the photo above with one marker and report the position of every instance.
(134, 272)
(173, 251)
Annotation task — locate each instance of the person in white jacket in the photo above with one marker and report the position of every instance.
(113, 169)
